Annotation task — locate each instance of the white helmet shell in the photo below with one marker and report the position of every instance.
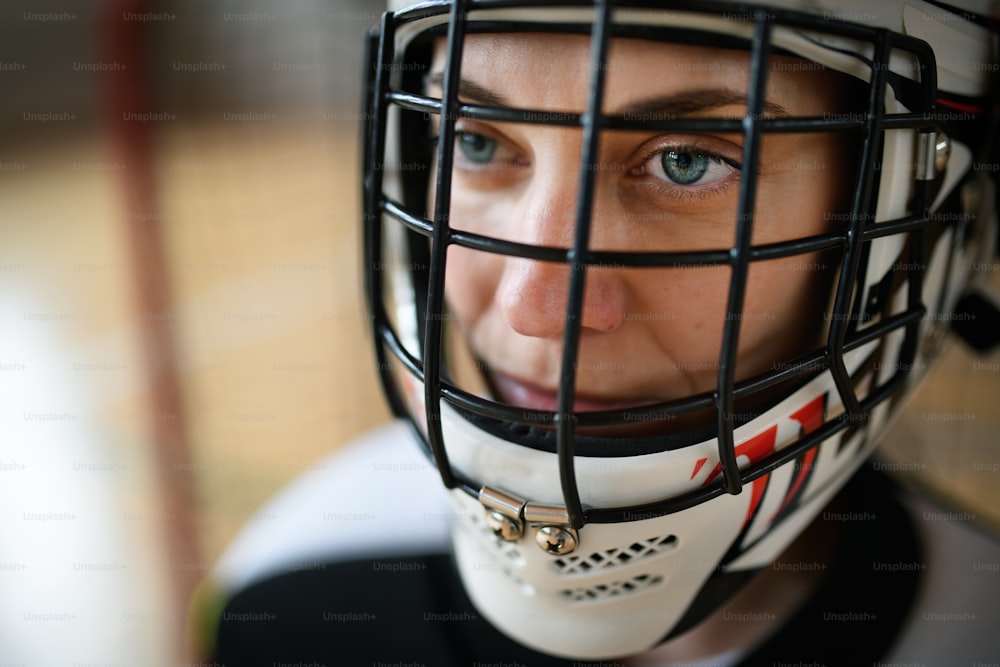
(592, 553)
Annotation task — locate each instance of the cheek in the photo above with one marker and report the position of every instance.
(804, 179)
(683, 308)
(784, 308)
(471, 284)
(684, 312)
(786, 299)
(473, 276)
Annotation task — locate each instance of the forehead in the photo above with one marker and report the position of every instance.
(553, 72)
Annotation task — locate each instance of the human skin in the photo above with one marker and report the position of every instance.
(647, 335)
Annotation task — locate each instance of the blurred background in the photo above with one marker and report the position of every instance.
(181, 325)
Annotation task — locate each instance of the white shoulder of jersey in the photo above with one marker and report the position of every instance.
(378, 496)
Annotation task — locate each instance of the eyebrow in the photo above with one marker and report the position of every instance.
(684, 103)
(471, 90)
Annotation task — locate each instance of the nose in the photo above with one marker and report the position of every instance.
(533, 294)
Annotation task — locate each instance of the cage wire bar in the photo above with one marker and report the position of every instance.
(435, 311)
(759, 64)
(579, 257)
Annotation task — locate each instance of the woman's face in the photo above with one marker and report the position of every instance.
(648, 335)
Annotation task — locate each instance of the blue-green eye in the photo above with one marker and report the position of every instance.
(691, 167)
(476, 148)
(684, 168)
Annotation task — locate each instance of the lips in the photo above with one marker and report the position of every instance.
(533, 397)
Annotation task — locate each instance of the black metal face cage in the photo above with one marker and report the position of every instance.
(430, 236)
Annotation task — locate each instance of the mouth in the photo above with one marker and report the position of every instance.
(530, 396)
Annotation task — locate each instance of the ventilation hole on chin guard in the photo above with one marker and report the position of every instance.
(611, 590)
(611, 558)
(512, 553)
